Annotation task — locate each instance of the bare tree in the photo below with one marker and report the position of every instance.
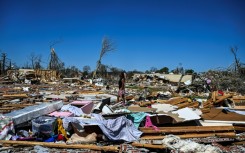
(3, 63)
(55, 63)
(52, 43)
(103, 69)
(32, 58)
(26, 66)
(86, 68)
(237, 62)
(153, 69)
(107, 46)
(35, 61)
(180, 70)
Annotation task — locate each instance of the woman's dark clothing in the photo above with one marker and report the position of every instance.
(120, 83)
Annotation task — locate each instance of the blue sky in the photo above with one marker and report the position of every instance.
(147, 33)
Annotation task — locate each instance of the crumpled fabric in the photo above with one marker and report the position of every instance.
(61, 129)
(78, 120)
(175, 143)
(67, 120)
(120, 128)
(137, 118)
(51, 139)
(76, 139)
(73, 109)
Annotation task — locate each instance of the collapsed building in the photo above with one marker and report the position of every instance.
(33, 75)
(74, 114)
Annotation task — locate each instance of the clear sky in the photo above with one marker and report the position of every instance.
(147, 33)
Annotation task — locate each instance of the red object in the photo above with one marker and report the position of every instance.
(60, 137)
(220, 92)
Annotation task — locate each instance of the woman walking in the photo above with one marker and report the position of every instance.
(121, 91)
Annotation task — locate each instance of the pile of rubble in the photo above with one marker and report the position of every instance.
(74, 115)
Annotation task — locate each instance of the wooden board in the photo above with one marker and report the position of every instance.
(59, 145)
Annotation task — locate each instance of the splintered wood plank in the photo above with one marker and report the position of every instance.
(187, 104)
(145, 103)
(129, 97)
(238, 97)
(205, 110)
(222, 98)
(238, 100)
(15, 96)
(222, 115)
(239, 107)
(183, 105)
(185, 129)
(207, 104)
(175, 101)
(161, 101)
(194, 105)
(7, 108)
(59, 145)
(214, 93)
(239, 143)
(196, 135)
(239, 128)
(17, 105)
(5, 111)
